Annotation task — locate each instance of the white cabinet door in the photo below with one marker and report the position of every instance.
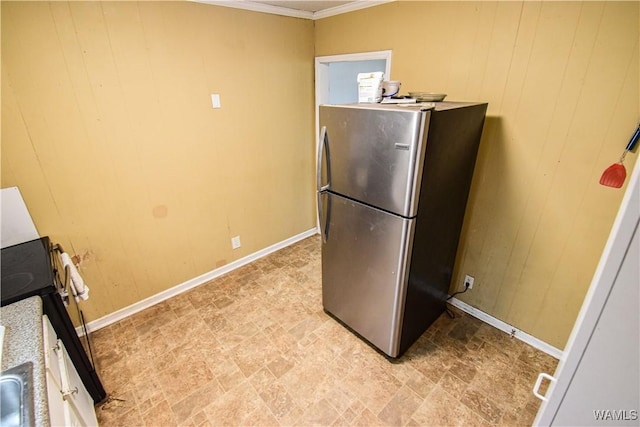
(72, 416)
(56, 404)
(76, 395)
(69, 402)
(53, 376)
(51, 352)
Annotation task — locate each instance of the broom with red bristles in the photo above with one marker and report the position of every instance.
(615, 174)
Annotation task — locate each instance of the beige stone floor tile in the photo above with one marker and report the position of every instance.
(262, 379)
(483, 404)
(190, 406)
(538, 360)
(235, 407)
(399, 410)
(179, 380)
(254, 347)
(146, 390)
(260, 417)
(159, 415)
(181, 305)
(431, 360)
(231, 339)
(319, 414)
(463, 371)
(336, 393)
(303, 382)
(505, 342)
(470, 418)
(374, 387)
(367, 418)
(226, 372)
(117, 374)
(438, 409)
(292, 418)
(125, 336)
(496, 380)
(199, 419)
(349, 415)
(420, 384)
(248, 359)
(128, 419)
(277, 399)
(280, 365)
(453, 385)
(463, 330)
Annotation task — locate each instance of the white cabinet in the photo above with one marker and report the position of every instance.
(69, 402)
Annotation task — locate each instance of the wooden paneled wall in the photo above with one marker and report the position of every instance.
(109, 132)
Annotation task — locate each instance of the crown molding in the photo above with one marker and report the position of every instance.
(349, 7)
(259, 7)
(285, 11)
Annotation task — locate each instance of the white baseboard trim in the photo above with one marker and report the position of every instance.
(192, 283)
(509, 329)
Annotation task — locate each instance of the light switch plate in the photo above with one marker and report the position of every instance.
(215, 100)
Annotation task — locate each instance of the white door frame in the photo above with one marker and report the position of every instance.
(322, 81)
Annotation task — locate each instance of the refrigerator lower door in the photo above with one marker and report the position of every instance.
(365, 269)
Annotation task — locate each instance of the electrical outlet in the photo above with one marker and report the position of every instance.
(235, 242)
(468, 279)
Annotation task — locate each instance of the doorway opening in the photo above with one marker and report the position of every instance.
(336, 76)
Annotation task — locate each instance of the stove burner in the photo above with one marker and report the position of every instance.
(26, 271)
(17, 281)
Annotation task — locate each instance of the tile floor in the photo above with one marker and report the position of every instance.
(255, 348)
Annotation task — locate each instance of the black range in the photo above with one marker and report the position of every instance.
(28, 269)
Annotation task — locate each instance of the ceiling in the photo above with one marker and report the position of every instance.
(310, 9)
(309, 6)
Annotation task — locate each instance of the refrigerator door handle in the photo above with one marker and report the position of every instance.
(322, 146)
(320, 209)
(324, 226)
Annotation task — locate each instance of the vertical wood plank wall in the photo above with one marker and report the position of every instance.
(109, 132)
(562, 83)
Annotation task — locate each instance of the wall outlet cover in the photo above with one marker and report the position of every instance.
(468, 279)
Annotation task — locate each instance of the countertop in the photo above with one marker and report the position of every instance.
(24, 342)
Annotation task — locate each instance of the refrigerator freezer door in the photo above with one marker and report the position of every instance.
(376, 155)
(365, 269)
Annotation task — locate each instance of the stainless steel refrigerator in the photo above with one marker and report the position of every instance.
(393, 183)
